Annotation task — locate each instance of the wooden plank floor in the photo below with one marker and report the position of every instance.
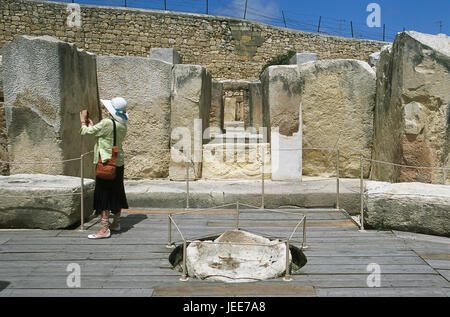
(135, 261)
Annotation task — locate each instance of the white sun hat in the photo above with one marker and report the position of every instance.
(117, 107)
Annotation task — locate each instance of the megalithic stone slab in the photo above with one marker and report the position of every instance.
(413, 74)
(47, 83)
(146, 85)
(301, 58)
(37, 201)
(4, 167)
(413, 207)
(338, 100)
(190, 108)
(168, 55)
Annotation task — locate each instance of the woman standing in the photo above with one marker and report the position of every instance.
(109, 195)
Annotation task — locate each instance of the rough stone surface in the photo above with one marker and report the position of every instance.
(282, 97)
(231, 262)
(335, 113)
(46, 84)
(412, 94)
(413, 207)
(216, 112)
(229, 48)
(309, 193)
(37, 201)
(301, 58)
(4, 167)
(168, 55)
(146, 85)
(235, 161)
(338, 99)
(190, 109)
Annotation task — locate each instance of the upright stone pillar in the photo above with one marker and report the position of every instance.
(146, 85)
(282, 98)
(190, 108)
(47, 83)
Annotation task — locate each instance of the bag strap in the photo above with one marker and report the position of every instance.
(114, 127)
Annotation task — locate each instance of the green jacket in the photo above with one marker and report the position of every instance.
(103, 132)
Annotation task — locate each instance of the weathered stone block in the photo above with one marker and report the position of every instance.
(336, 114)
(36, 201)
(47, 83)
(146, 85)
(190, 108)
(231, 261)
(415, 71)
(338, 98)
(413, 207)
(301, 58)
(217, 107)
(236, 161)
(168, 55)
(282, 97)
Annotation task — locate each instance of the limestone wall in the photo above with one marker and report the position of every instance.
(229, 48)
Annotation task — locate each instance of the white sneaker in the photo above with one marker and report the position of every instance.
(107, 234)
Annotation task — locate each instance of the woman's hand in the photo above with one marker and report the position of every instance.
(90, 123)
(83, 116)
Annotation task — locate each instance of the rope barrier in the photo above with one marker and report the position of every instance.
(46, 163)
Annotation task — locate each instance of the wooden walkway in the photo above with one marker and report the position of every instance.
(135, 261)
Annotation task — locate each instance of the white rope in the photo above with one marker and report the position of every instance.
(46, 163)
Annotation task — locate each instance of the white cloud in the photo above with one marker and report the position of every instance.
(260, 10)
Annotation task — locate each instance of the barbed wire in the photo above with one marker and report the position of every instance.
(289, 18)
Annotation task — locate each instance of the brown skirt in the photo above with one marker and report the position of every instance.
(110, 194)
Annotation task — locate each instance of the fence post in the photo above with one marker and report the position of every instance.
(262, 175)
(287, 275)
(304, 245)
(169, 243)
(237, 215)
(318, 28)
(184, 277)
(187, 184)
(361, 220)
(82, 192)
(337, 178)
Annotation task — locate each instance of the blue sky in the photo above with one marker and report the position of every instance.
(429, 16)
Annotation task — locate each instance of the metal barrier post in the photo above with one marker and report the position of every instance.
(170, 243)
(82, 193)
(304, 245)
(237, 215)
(184, 277)
(187, 184)
(337, 178)
(262, 176)
(287, 276)
(361, 220)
